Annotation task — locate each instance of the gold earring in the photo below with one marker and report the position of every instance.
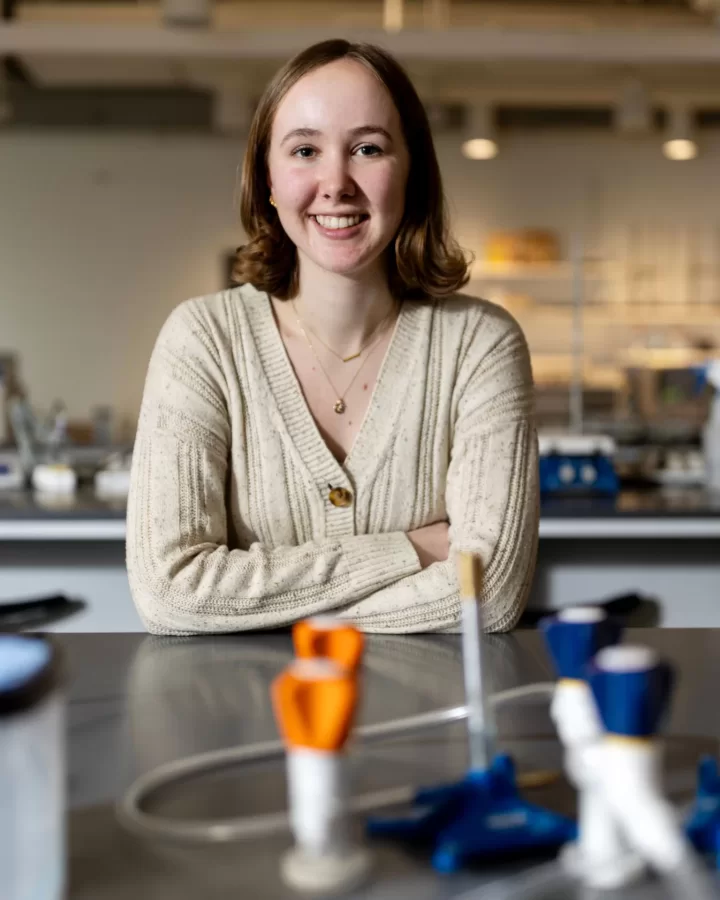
(272, 201)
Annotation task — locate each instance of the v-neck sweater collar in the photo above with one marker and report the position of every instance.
(374, 436)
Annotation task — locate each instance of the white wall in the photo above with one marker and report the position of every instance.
(102, 234)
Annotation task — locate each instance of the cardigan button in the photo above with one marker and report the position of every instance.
(340, 497)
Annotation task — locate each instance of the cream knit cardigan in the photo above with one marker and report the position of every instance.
(230, 526)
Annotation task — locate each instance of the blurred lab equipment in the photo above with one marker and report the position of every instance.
(113, 481)
(573, 463)
(54, 478)
(32, 770)
(12, 476)
(662, 392)
(55, 454)
(711, 431)
(526, 246)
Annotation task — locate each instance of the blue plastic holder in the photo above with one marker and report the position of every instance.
(632, 703)
(703, 823)
(482, 815)
(573, 644)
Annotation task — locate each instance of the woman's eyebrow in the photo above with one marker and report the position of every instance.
(371, 129)
(300, 132)
(354, 132)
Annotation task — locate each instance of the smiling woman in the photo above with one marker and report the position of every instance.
(340, 103)
(327, 435)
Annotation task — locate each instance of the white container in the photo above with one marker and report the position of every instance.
(54, 478)
(32, 770)
(112, 483)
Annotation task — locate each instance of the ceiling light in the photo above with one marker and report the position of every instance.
(479, 141)
(680, 149)
(679, 144)
(480, 148)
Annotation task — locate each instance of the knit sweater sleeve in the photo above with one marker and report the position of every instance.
(492, 494)
(184, 577)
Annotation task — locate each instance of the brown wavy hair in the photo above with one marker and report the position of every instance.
(427, 261)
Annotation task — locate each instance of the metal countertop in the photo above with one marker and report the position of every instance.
(137, 701)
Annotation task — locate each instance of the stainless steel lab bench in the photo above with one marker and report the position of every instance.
(136, 702)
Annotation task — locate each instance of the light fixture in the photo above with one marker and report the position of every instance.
(393, 15)
(479, 140)
(679, 144)
(680, 149)
(633, 114)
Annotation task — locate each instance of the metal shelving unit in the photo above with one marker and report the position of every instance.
(642, 288)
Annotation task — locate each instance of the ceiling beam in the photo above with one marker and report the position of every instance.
(675, 47)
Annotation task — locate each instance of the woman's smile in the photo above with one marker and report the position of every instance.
(339, 228)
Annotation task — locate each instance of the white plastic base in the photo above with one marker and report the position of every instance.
(325, 874)
(620, 871)
(627, 775)
(326, 858)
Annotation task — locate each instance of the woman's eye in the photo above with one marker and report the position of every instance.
(368, 150)
(304, 152)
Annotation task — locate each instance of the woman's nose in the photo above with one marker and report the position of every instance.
(336, 180)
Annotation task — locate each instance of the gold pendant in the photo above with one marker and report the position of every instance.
(340, 407)
(350, 358)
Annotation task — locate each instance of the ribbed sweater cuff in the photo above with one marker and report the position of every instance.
(377, 560)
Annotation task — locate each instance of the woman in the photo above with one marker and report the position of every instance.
(322, 437)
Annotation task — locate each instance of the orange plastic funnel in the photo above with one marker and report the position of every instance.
(329, 638)
(314, 702)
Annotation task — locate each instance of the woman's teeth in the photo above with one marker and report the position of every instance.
(334, 222)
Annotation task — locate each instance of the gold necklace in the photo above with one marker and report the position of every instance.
(339, 406)
(345, 359)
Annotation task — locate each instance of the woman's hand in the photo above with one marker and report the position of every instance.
(431, 543)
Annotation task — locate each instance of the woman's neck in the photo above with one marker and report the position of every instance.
(343, 312)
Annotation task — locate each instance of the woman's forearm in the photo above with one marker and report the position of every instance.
(186, 580)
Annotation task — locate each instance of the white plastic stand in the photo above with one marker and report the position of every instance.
(601, 857)
(325, 858)
(627, 771)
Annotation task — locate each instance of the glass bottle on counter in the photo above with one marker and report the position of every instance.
(56, 429)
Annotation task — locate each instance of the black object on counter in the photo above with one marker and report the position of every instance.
(630, 609)
(37, 612)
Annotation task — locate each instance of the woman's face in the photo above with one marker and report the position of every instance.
(338, 167)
